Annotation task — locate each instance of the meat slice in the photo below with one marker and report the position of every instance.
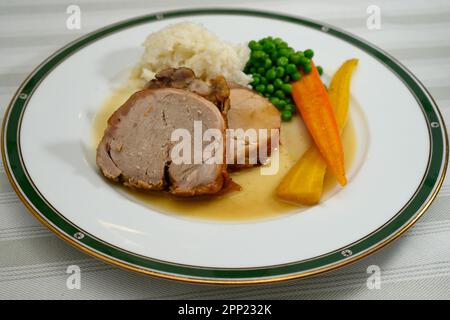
(216, 90)
(136, 147)
(249, 110)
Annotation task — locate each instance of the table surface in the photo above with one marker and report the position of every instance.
(34, 262)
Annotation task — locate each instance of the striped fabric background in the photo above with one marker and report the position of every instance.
(33, 262)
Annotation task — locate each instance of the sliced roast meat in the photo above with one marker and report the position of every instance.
(249, 110)
(216, 90)
(136, 147)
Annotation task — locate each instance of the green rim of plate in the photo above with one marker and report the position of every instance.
(403, 220)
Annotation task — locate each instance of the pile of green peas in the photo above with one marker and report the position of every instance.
(273, 66)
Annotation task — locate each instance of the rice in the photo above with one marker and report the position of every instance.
(191, 45)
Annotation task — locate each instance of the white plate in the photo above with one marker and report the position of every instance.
(48, 155)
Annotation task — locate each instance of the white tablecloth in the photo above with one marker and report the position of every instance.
(33, 262)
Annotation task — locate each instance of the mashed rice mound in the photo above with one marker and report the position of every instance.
(191, 45)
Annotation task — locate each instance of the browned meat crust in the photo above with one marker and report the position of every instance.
(216, 90)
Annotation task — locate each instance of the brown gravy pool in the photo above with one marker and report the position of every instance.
(257, 199)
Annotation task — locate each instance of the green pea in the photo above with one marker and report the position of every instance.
(261, 70)
(278, 83)
(307, 68)
(295, 59)
(280, 94)
(262, 58)
(263, 80)
(296, 76)
(320, 70)
(269, 47)
(304, 61)
(252, 70)
(252, 44)
(299, 54)
(284, 52)
(271, 74)
(286, 115)
(255, 81)
(260, 88)
(257, 55)
(266, 94)
(309, 53)
(287, 79)
(274, 100)
(270, 88)
(291, 68)
(279, 42)
(267, 63)
(286, 87)
(282, 61)
(289, 107)
(280, 72)
(281, 105)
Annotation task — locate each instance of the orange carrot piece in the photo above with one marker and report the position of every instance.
(311, 100)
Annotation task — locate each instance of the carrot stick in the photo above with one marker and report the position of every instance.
(304, 182)
(311, 99)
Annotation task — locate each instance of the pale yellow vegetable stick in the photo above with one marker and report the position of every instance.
(304, 182)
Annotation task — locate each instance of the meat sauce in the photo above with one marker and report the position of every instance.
(257, 198)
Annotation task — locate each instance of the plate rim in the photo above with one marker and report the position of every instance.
(341, 257)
